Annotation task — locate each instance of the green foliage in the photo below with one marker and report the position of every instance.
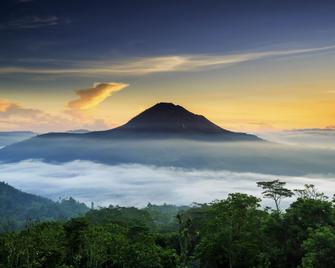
(301, 217)
(38, 246)
(128, 216)
(164, 216)
(233, 232)
(19, 209)
(310, 192)
(319, 248)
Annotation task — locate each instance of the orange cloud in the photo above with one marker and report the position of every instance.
(14, 116)
(4, 105)
(91, 97)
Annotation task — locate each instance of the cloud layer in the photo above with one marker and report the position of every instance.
(149, 65)
(91, 97)
(314, 138)
(137, 185)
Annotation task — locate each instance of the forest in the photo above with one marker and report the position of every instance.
(233, 232)
(19, 209)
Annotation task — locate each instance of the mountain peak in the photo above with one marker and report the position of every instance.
(168, 120)
(168, 117)
(166, 107)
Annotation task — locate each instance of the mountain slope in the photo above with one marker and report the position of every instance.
(167, 117)
(167, 120)
(10, 137)
(18, 208)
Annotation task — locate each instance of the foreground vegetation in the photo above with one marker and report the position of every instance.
(234, 232)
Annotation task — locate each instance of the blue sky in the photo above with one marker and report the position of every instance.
(171, 51)
(99, 29)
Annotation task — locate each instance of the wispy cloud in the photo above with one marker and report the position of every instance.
(149, 65)
(91, 97)
(32, 22)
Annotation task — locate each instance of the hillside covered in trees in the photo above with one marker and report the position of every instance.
(233, 232)
(18, 208)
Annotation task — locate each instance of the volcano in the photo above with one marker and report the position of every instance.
(162, 122)
(171, 118)
(167, 120)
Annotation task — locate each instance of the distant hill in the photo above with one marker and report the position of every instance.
(18, 208)
(78, 131)
(10, 137)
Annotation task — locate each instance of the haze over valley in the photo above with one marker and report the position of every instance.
(166, 154)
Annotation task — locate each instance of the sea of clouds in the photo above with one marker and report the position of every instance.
(136, 185)
(313, 138)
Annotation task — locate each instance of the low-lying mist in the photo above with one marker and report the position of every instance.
(7, 138)
(258, 157)
(136, 184)
(134, 172)
(312, 138)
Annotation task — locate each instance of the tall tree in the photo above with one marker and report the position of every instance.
(275, 190)
(310, 192)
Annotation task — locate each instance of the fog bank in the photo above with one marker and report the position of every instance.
(136, 185)
(257, 157)
(313, 138)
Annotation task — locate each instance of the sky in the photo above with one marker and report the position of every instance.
(251, 66)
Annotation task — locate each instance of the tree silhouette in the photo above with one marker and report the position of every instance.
(275, 190)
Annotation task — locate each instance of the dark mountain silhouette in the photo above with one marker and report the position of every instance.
(155, 126)
(167, 120)
(170, 118)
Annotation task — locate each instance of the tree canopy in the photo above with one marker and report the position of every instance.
(231, 232)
